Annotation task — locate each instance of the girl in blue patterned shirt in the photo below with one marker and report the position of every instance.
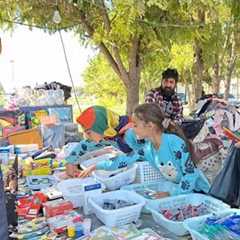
(166, 149)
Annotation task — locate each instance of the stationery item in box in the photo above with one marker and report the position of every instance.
(5, 153)
(57, 207)
(29, 207)
(39, 182)
(40, 151)
(26, 148)
(59, 223)
(52, 192)
(29, 136)
(102, 233)
(148, 234)
(35, 234)
(71, 231)
(114, 204)
(125, 232)
(37, 167)
(185, 212)
(46, 154)
(33, 225)
(53, 135)
(227, 227)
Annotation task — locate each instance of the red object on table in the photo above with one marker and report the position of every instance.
(57, 207)
(29, 207)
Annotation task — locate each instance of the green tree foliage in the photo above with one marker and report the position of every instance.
(103, 83)
(139, 38)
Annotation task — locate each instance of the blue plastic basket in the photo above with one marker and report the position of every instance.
(213, 206)
(158, 186)
(195, 224)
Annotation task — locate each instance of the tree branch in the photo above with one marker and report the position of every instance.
(122, 69)
(105, 16)
(102, 46)
(110, 59)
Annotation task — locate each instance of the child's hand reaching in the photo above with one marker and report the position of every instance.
(72, 171)
(237, 145)
(87, 172)
(161, 195)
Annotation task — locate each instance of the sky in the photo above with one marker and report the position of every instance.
(31, 57)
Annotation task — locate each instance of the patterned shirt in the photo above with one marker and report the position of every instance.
(173, 161)
(172, 107)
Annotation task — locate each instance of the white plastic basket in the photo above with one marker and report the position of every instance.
(213, 206)
(147, 173)
(72, 190)
(119, 217)
(95, 160)
(120, 179)
(97, 154)
(195, 224)
(158, 186)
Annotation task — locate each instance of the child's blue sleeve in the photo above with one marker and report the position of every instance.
(74, 151)
(136, 145)
(120, 161)
(190, 174)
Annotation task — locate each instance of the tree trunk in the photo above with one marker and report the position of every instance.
(198, 77)
(199, 65)
(134, 75)
(216, 77)
(190, 91)
(230, 67)
(132, 94)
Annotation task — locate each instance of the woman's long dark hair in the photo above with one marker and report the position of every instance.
(151, 112)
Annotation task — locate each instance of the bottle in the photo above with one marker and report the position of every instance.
(71, 231)
(79, 231)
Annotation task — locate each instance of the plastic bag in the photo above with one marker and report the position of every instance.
(191, 128)
(226, 185)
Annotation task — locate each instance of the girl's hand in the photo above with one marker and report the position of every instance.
(87, 172)
(161, 195)
(237, 145)
(72, 170)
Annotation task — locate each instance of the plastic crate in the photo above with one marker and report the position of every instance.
(40, 182)
(98, 155)
(213, 206)
(119, 217)
(73, 190)
(158, 186)
(120, 179)
(147, 173)
(193, 225)
(95, 160)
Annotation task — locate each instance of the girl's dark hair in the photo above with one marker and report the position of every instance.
(151, 112)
